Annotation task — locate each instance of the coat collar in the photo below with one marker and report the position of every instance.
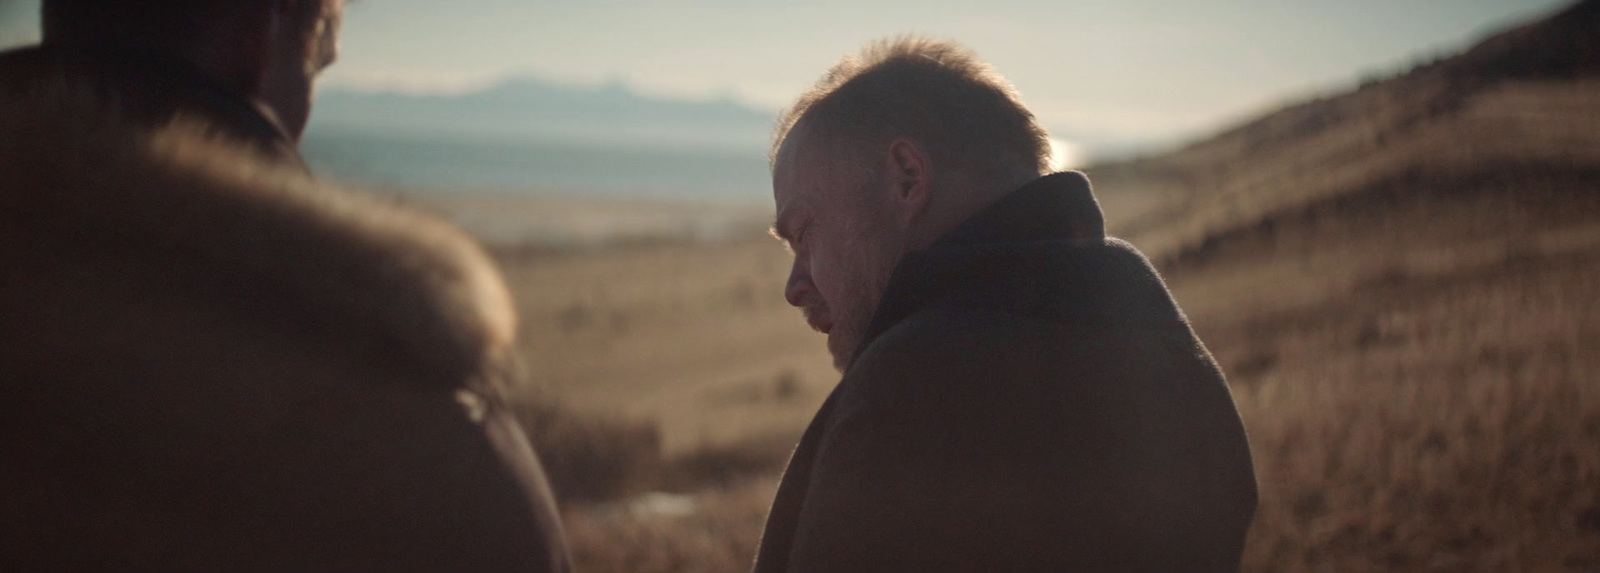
(1039, 252)
(1053, 207)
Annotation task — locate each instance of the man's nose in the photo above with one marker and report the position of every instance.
(799, 289)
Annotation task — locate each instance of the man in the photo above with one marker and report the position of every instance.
(210, 361)
(1020, 392)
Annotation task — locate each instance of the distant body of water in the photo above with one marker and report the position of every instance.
(450, 164)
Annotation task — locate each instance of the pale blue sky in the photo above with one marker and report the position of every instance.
(1121, 69)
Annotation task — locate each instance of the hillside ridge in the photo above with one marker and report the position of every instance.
(1529, 95)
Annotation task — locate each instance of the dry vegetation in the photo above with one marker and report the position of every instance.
(1400, 283)
(667, 368)
(1419, 377)
(1420, 395)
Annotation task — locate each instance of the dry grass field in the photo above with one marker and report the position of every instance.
(668, 368)
(1420, 396)
(1401, 283)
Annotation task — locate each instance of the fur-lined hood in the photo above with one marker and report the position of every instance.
(75, 170)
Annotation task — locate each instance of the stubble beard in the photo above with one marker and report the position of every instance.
(852, 319)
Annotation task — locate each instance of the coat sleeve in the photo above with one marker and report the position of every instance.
(964, 451)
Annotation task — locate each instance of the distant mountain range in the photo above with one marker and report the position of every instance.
(609, 115)
(525, 109)
(532, 135)
(1528, 93)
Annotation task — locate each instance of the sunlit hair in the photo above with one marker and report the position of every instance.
(935, 92)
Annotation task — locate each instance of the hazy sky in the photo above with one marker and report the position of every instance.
(1118, 69)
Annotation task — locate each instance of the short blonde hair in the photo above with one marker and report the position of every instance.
(935, 92)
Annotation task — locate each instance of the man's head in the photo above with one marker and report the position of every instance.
(890, 150)
(265, 50)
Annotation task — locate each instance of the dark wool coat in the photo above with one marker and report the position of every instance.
(1028, 398)
(211, 362)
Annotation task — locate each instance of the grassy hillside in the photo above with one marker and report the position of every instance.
(1523, 101)
(1400, 282)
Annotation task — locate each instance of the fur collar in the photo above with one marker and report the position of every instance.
(72, 169)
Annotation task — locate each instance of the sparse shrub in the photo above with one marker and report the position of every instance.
(1482, 471)
(787, 386)
(721, 535)
(727, 465)
(591, 457)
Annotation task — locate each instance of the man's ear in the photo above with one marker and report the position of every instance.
(910, 176)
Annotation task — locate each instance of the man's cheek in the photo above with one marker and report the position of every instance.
(826, 274)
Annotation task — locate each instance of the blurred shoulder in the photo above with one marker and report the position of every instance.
(190, 215)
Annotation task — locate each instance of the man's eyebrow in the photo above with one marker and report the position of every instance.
(779, 228)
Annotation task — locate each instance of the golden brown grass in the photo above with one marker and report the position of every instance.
(1400, 283)
(720, 535)
(1457, 431)
(1419, 373)
(1417, 400)
(695, 338)
(666, 367)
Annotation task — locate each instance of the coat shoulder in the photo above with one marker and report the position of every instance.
(958, 355)
(186, 213)
(186, 320)
(1018, 440)
(932, 345)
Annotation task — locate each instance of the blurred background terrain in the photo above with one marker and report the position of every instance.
(1382, 218)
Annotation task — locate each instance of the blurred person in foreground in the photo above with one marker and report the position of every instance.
(213, 362)
(1020, 391)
